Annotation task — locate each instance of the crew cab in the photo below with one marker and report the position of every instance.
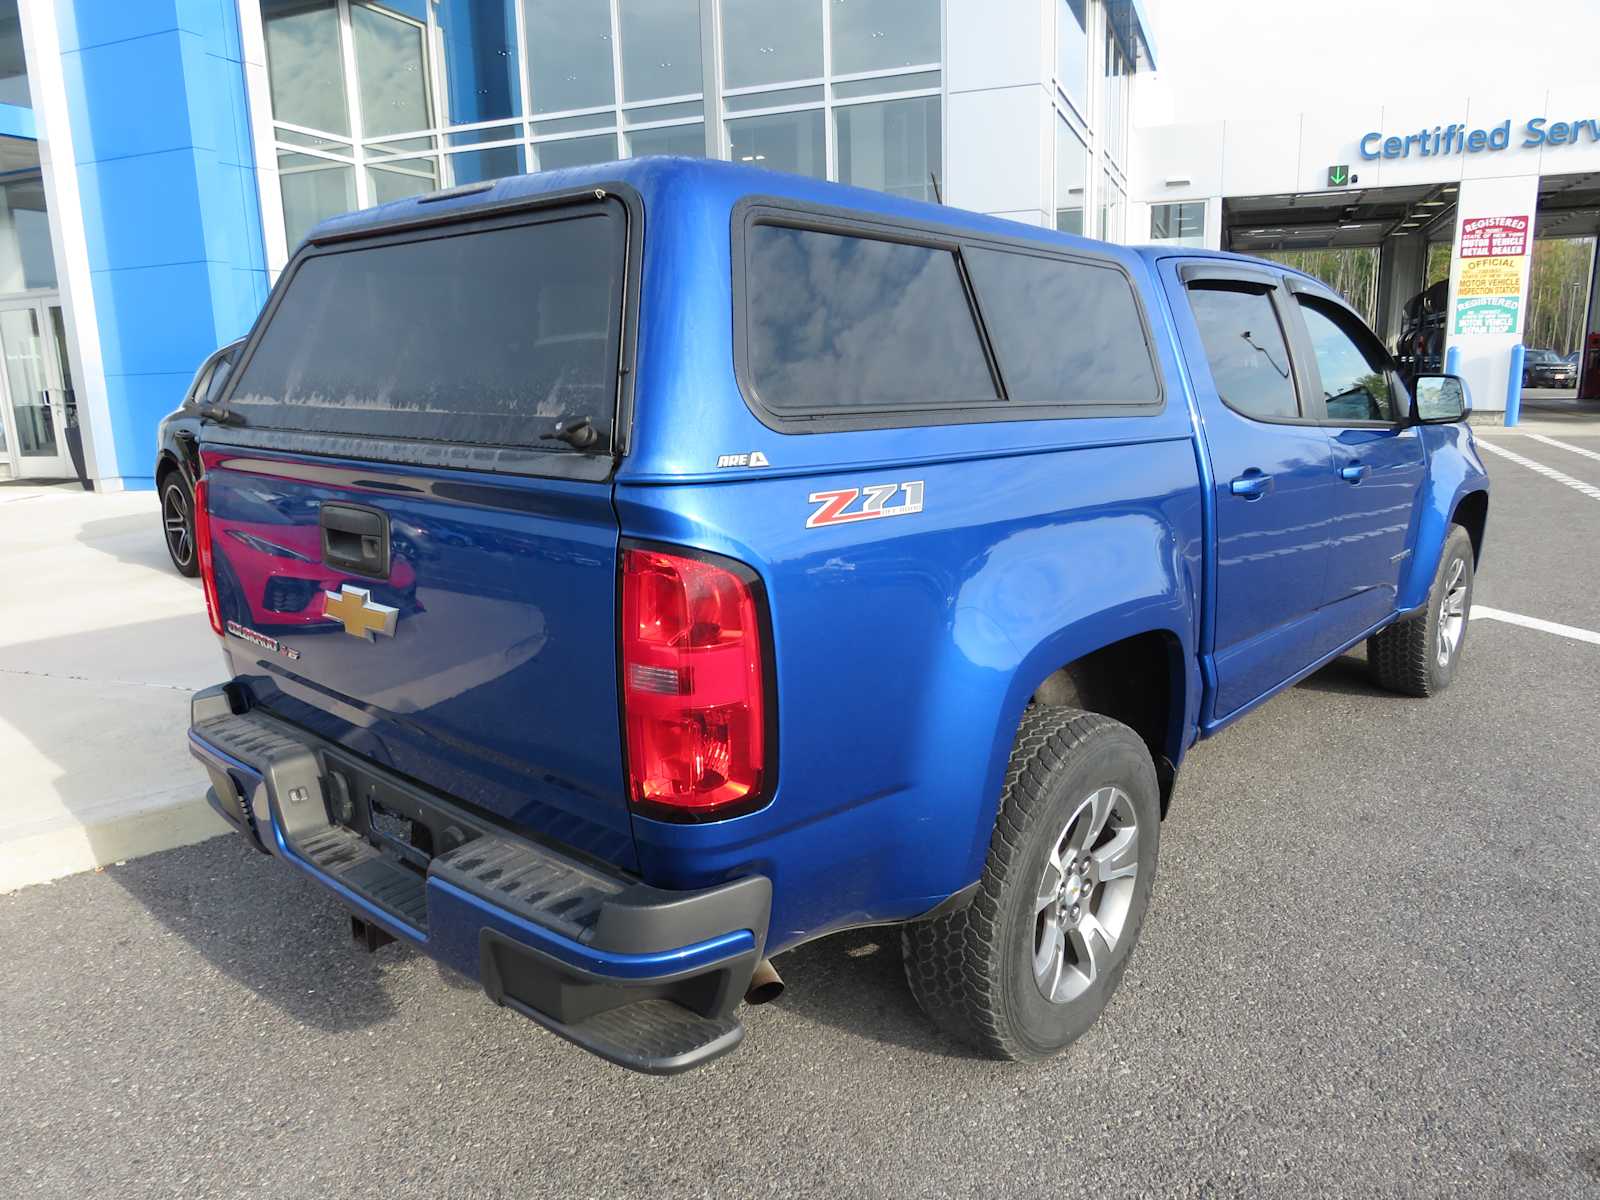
(628, 573)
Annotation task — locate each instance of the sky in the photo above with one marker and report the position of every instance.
(1234, 58)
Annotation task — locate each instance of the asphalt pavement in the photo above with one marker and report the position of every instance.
(1371, 968)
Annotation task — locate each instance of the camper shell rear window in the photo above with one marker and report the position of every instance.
(481, 334)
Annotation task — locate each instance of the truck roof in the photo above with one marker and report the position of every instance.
(714, 183)
(717, 186)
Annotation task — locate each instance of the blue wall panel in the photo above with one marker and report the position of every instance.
(166, 171)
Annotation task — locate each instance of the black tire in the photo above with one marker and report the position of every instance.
(1411, 657)
(177, 524)
(973, 971)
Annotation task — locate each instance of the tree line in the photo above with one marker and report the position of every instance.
(1555, 305)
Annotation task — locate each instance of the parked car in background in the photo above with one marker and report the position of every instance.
(709, 559)
(178, 457)
(1547, 369)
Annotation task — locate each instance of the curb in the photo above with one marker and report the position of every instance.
(55, 853)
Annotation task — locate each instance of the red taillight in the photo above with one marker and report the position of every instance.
(693, 686)
(202, 545)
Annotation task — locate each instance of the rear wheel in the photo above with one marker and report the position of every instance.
(1418, 657)
(1029, 965)
(177, 524)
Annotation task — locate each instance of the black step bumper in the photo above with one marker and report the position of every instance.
(646, 978)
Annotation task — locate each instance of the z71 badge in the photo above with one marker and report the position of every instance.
(834, 508)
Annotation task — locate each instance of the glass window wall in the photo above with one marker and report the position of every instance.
(767, 42)
(1072, 178)
(1113, 205)
(686, 141)
(482, 78)
(376, 100)
(305, 65)
(1112, 119)
(884, 35)
(575, 152)
(1072, 52)
(892, 146)
(1183, 223)
(392, 70)
(26, 260)
(660, 48)
(569, 54)
(13, 66)
(792, 141)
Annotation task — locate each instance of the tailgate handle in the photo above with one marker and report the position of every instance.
(356, 539)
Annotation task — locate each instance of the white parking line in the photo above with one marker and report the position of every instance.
(1482, 611)
(1577, 485)
(1550, 441)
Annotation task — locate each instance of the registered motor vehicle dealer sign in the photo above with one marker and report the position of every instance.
(1492, 251)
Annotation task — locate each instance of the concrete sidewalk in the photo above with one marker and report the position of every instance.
(101, 644)
(1553, 413)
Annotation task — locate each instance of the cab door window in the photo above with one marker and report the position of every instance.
(1246, 349)
(1357, 382)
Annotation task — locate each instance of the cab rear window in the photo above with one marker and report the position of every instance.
(487, 336)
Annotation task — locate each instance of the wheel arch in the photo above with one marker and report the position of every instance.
(1137, 672)
(1456, 492)
(1472, 514)
(166, 463)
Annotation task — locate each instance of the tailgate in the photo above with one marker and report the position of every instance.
(456, 626)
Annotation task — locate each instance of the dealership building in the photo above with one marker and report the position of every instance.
(160, 160)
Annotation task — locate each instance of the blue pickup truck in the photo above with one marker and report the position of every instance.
(628, 573)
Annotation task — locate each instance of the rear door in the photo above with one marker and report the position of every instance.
(1378, 463)
(1272, 468)
(409, 560)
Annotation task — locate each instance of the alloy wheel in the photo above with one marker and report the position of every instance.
(1085, 894)
(1453, 612)
(175, 523)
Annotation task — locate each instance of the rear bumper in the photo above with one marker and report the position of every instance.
(647, 978)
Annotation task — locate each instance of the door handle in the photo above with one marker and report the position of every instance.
(1354, 473)
(355, 539)
(1252, 485)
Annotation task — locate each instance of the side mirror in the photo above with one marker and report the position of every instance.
(1440, 399)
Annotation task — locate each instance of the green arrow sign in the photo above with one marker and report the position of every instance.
(1339, 176)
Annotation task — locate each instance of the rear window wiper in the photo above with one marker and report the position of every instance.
(219, 414)
(577, 432)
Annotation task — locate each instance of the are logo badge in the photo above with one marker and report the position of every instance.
(360, 615)
(835, 508)
(753, 459)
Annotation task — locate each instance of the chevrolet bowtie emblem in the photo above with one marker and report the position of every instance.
(354, 609)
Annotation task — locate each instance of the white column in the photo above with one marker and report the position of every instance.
(258, 96)
(1489, 283)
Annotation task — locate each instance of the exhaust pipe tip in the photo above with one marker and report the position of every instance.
(765, 984)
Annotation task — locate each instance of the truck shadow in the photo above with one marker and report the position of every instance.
(855, 981)
(268, 929)
(134, 539)
(1345, 676)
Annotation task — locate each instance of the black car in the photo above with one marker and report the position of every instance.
(178, 457)
(1547, 369)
